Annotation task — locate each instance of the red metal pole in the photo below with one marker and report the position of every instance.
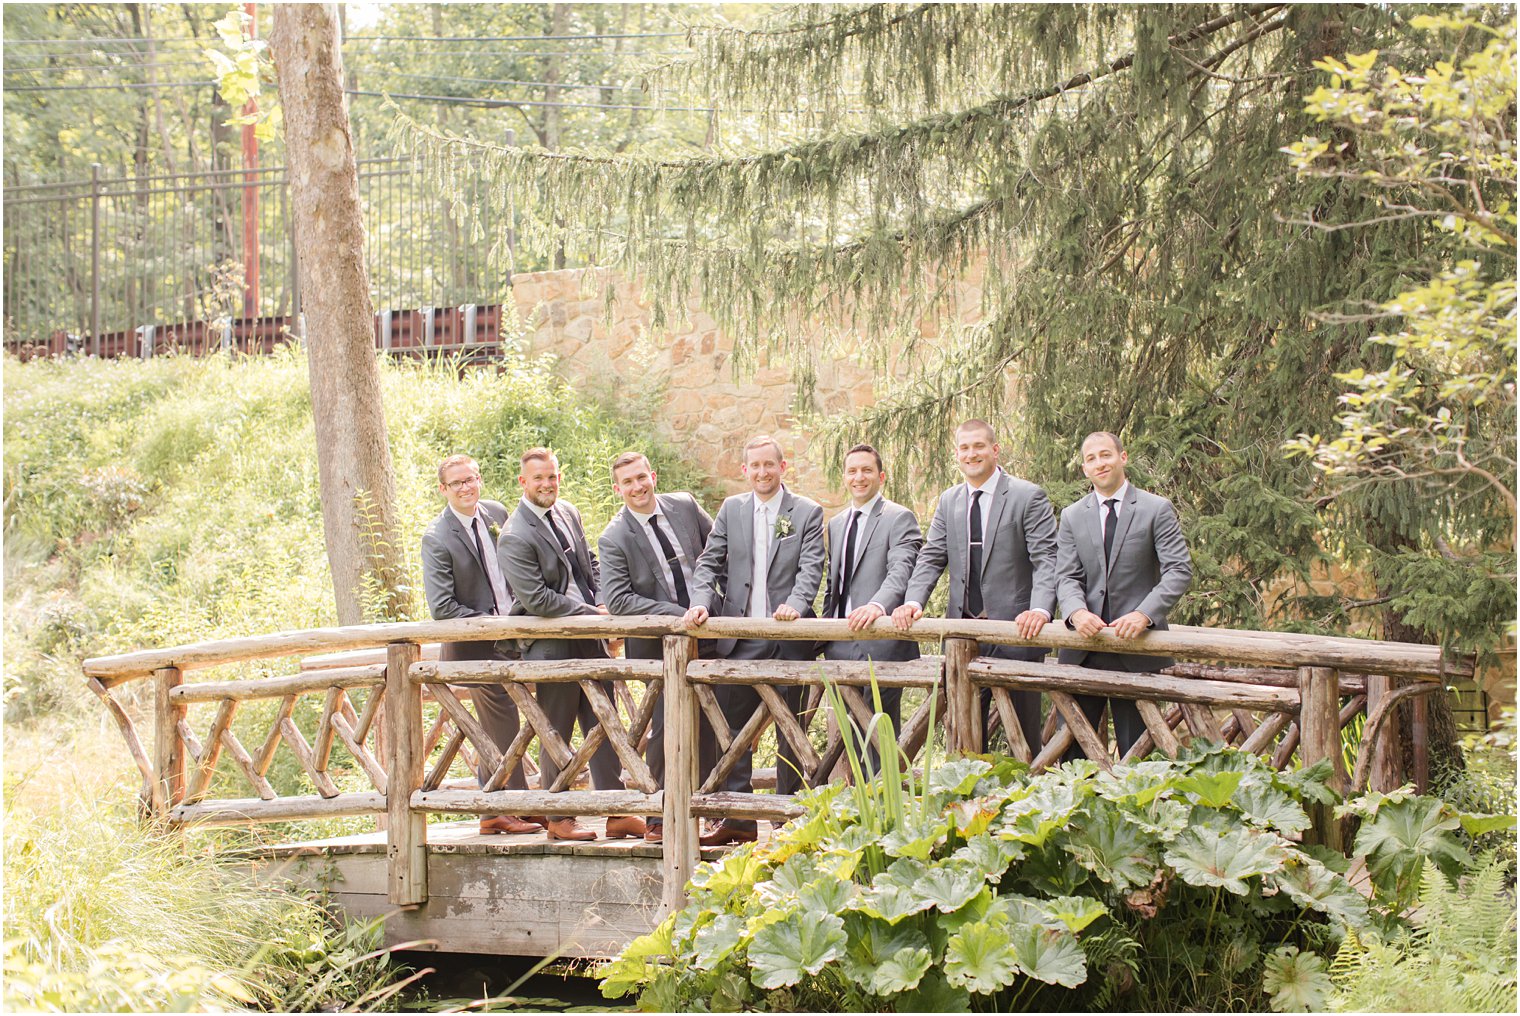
(251, 193)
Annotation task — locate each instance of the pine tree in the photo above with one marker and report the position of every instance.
(1152, 265)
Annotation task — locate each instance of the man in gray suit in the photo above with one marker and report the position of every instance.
(1122, 564)
(648, 556)
(764, 559)
(552, 573)
(463, 579)
(873, 545)
(996, 534)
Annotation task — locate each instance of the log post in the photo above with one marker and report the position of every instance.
(1419, 732)
(1386, 772)
(963, 714)
(406, 830)
(1320, 738)
(682, 772)
(168, 745)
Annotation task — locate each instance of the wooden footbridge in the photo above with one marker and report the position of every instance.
(394, 738)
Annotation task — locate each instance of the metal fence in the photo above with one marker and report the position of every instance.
(99, 257)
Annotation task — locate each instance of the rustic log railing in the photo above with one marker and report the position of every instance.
(1282, 695)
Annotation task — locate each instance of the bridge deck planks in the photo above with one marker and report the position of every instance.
(498, 895)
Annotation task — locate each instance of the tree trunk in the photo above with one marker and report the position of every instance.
(353, 458)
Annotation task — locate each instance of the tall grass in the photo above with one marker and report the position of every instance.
(177, 500)
(105, 914)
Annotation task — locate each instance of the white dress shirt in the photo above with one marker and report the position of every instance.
(477, 523)
(766, 513)
(572, 588)
(1118, 497)
(659, 551)
(864, 511)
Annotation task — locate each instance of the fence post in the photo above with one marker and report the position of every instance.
(1319, 725)
(963, 714)
(1386, 772)
(168, 746)
(682, 772)
(95, 258)
(1419, 733)
(405, 829)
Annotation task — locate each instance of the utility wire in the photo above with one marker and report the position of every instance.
(495, 81)
(500, 103)
(513, 38)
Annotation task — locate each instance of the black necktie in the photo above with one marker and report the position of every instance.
(581, 579)
(480, 550)
(1110, 525)
(682, 596)
(974, 580)
(846, 566)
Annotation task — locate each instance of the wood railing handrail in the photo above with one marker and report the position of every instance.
(1277, 649)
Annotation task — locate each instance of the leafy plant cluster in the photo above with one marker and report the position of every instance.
(1163, 885)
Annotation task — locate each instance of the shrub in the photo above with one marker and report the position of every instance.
(1162, 885)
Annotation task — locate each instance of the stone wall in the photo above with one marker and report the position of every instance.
(702, 406)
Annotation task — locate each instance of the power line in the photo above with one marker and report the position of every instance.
(103, 41)
(94, 67)
(513, 38)
(494, 81)
(208, 82)
(501, 103)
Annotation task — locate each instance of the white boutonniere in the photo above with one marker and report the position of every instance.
(783, 527)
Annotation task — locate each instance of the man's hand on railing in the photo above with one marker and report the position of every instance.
(904, 616)
(1087, 624)
(1031, 623)
(862, 618)
(694, 616)
(1132, 624)
(786, 612)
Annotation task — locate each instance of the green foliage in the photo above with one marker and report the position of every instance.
(1112, 178)
(1457, 956)
(105, 914)
(1163, 885)
(154, 503)
(1436, 413)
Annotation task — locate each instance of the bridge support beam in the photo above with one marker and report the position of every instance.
(405, 829)
(1319, 727)
(963, 708)
(682, 775)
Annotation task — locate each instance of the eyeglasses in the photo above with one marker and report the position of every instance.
(468, 481)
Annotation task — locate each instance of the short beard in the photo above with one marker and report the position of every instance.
(542, 500)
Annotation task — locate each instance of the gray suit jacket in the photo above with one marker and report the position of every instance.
(456, 581)
(538, 572)
(633, 578)
(1018, 551)
(1148, 569)
(887, 546)
(724, 572)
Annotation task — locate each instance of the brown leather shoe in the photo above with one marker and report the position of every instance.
(726, 833)
(568, 829)
(619, 826)
(537, 820)
(654, 834)
(509, 824)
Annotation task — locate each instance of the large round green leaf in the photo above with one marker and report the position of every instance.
(801, 943)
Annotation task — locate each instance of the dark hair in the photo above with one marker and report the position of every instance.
(865, 448)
